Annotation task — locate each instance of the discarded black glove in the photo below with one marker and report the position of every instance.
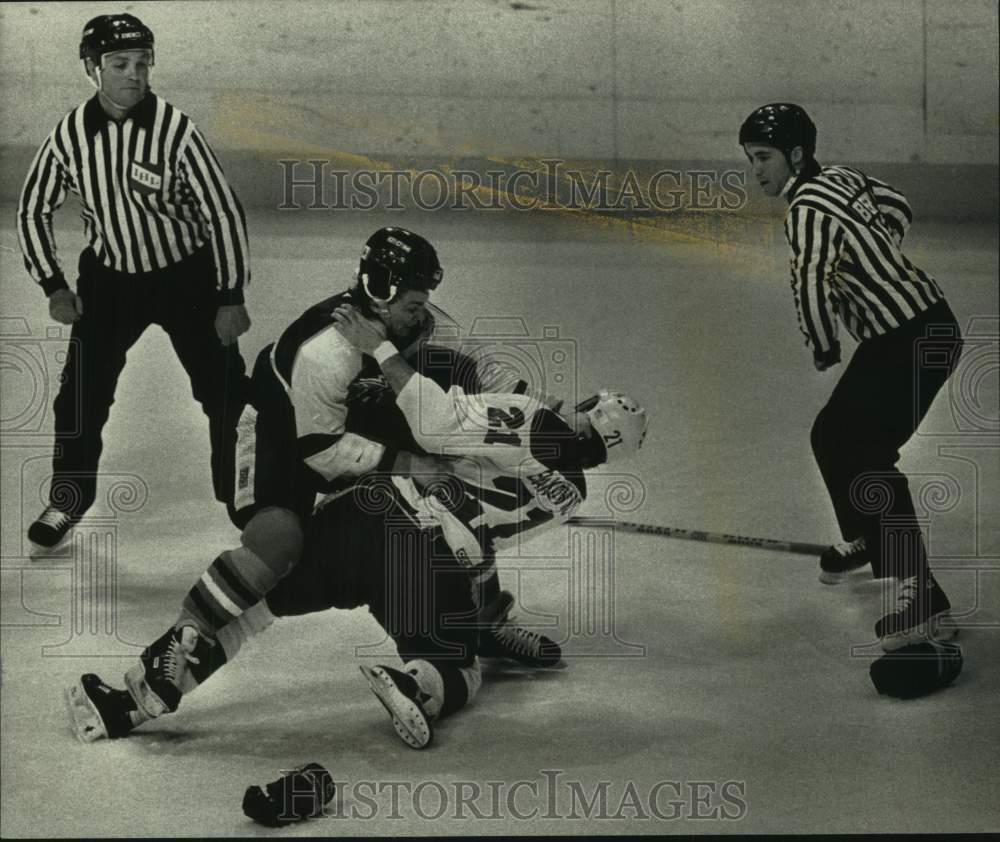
(298, 795)
(917, 669)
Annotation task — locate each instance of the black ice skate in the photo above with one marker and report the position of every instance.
(50, 527)
(923, 612)
(507, 640)
(840, 559)
(97, 710)
(160, 678)
(400, 695)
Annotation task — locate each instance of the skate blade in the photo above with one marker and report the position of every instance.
(940, 628)
(88, 727)
(407, 718)
(40, 550)
(510, 660)
(835, 577)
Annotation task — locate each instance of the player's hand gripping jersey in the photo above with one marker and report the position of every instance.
(320, 370)
(511, 476)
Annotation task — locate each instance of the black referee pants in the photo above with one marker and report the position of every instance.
(117, 308)
(875, 408)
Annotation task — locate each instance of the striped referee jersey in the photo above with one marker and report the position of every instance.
(151, 190)
(845, 230)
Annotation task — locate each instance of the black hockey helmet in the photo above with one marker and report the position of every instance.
(782, 125)
(109, 33)
(395, 258)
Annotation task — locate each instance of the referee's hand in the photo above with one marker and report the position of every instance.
(231, 322)
(825, 360)
(65, 306)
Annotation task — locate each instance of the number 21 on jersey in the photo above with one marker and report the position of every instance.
(502, 424)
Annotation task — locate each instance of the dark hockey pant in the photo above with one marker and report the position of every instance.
(875, 408)
(361, 550)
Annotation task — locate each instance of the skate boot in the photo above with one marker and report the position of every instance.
(840, 559)
(401, 696)
(507, 640)
(97, 710)
(162, 675)
(923, 612)
(50, 527)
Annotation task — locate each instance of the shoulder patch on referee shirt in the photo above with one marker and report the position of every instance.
(864, 206)
(146, 178)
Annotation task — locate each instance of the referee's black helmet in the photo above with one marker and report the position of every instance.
(109, 33)
(782, 125)
(394, 259)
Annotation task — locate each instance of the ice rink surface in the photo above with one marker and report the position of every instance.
(722, 687)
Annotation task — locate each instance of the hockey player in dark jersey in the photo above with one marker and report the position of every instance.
(423, 596)
(293, 440)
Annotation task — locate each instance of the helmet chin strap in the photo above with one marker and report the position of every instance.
(384, 302)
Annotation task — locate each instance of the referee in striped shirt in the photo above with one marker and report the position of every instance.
(845, 230)
(167, 246)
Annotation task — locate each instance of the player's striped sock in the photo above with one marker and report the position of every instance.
(251, 622)
(233, 582)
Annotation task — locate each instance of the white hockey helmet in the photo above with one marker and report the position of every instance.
(619, 420)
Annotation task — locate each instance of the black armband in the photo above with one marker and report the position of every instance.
(226, 297)
(53, 284)
(831, 357)
(388, 459)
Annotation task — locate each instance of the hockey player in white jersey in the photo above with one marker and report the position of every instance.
(522, 463)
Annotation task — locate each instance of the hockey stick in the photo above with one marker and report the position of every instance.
(798, 547)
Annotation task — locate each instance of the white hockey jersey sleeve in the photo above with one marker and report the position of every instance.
(511, 495)
(323, 369)
(494, 426)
